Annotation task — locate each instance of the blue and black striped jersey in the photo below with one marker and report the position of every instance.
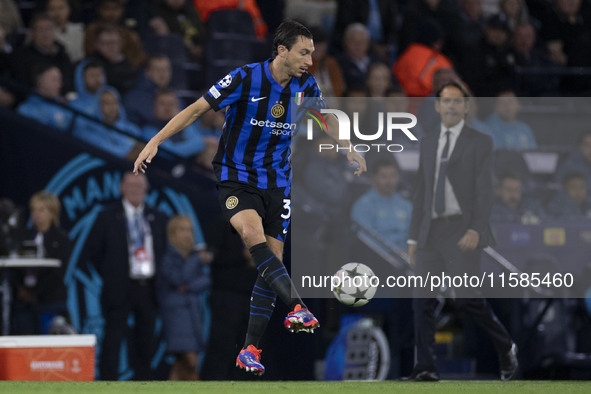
(255, 144)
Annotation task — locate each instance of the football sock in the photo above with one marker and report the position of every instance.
(272, 270)
(262, 303)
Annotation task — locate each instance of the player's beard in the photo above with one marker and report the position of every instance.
(291, 71)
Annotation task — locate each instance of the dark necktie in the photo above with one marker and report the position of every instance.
(440, 188)
(138, 232)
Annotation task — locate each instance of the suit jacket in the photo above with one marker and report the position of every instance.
(50, 285)
(108, 250)
(470, 173)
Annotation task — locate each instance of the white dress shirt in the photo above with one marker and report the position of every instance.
(149, 271)
(452, 207)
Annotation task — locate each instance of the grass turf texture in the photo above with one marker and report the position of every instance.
(480, 387)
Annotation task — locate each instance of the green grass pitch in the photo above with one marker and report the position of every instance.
(478, 387)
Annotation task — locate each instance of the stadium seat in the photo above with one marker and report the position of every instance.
(510, 161)
(237, 23)
(224, 55)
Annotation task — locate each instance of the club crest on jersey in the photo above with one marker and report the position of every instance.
(225, 81)
(277, 110)
(231, 202)
(299, 98)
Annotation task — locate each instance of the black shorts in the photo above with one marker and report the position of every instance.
(272, 205)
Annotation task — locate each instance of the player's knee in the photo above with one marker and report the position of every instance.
(251, 235)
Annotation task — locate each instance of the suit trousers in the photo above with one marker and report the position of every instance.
(442, 254)
(141, 302)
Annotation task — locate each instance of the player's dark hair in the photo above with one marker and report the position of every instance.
(287, 35)
(456, 85)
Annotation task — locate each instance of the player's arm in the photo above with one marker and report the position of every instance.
(352, 156)
(176, 124)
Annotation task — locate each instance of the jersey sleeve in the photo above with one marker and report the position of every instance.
(314, 95)
(226, 91)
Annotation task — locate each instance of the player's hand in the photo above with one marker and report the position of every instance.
(469, 241)
(355, 157)
(412, 251)
(146, 155)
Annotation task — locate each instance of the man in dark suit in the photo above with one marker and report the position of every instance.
(450, 226)
(125, 245)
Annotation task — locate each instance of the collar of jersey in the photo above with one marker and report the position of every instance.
(270, 76)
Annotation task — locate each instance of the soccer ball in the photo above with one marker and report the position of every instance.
(354, 284)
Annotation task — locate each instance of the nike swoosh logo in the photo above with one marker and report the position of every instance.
(254, 100)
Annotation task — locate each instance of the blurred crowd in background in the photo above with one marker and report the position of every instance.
(111, 73)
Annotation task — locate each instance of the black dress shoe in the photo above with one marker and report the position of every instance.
(508, 363)
(422, 376)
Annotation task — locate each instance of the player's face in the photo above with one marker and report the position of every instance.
(452, 106)
(299, 57)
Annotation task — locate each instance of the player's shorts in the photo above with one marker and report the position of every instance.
(272, 205)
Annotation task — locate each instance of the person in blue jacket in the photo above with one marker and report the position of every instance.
(89, 77)
(572, 201)
(157, 75)
(505, 129)
(511, 205)
(382, 209)
(43, 106)
(186, 143)
(180, 286)
(106, 132)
